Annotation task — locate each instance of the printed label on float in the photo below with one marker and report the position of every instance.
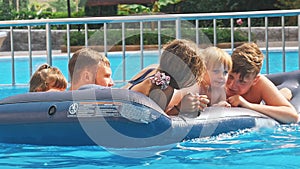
(94, 109)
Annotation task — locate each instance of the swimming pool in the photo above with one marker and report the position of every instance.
(266, 148)
(133, 64)
(269, 148)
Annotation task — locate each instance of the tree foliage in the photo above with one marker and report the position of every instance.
(125, 9)
(204, 6)
(36, 10)
(61, 5)
(6, 11)
(288, 4)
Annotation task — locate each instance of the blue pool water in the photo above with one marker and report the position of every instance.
(277, 147)
(270, 148)
(132, 64)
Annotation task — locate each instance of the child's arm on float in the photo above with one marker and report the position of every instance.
(276, 105)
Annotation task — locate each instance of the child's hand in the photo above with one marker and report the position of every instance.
(203, 101)
(223, 104)
(191, 103)
(238, 100)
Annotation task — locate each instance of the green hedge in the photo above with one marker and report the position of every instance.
(224, 35)
(114, 36)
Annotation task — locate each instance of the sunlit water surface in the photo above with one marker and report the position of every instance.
(266, 148)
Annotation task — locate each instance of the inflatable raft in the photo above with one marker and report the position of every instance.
(119, 118)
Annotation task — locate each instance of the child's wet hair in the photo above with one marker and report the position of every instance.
(182, 60)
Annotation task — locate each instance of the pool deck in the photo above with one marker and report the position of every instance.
(34, 53)
(294, 44)
(274, 45)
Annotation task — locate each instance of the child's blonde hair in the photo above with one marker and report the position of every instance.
(47, 77)
(214, 55)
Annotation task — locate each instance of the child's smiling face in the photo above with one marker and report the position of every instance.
(218, 75)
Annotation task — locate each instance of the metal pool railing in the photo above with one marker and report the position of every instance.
(180, 21)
